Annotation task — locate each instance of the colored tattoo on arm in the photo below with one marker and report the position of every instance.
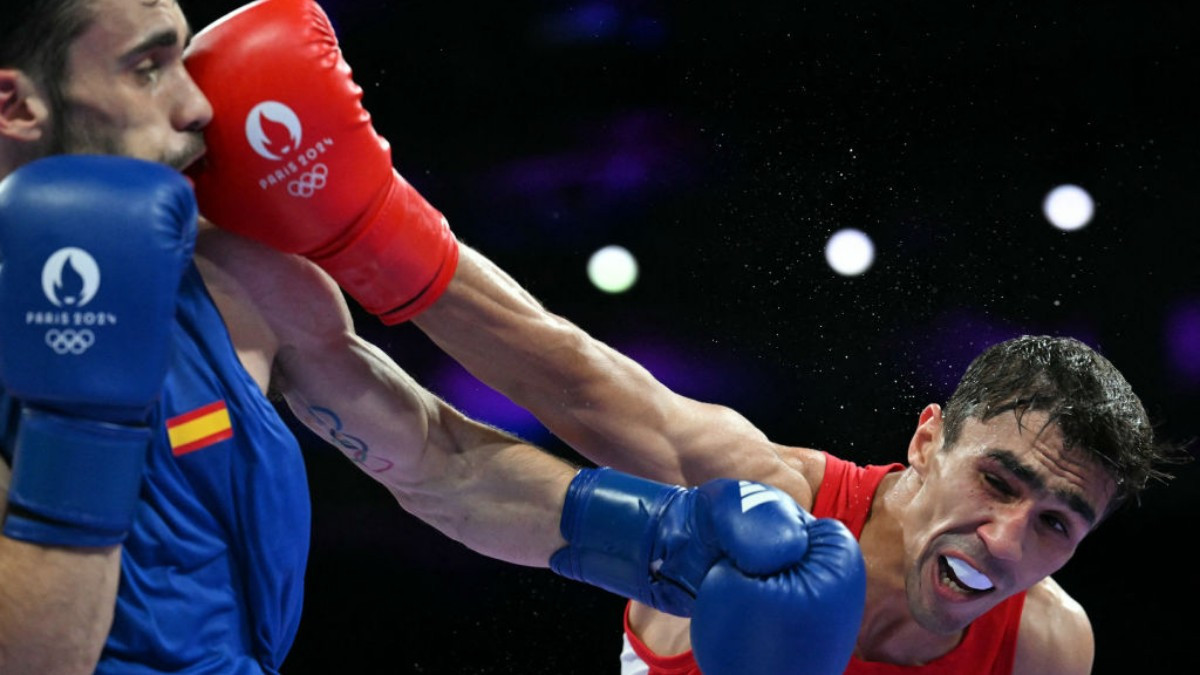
(352, 446)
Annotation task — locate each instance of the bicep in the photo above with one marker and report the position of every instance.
(347, 391)
(355, 398)
(476, 484)
(293, 331)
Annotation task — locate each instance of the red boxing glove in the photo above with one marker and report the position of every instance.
(294, 162)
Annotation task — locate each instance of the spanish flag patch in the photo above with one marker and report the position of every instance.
(199, 428)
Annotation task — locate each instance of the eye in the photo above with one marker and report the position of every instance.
(147, 71)
(998, 484)
(1057, 524)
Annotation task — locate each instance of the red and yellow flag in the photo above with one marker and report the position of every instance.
(199, 428)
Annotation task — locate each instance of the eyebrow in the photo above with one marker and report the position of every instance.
(1034, 481)
(167, 37)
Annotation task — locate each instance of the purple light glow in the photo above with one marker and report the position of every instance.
(619, 162)
(948, 345)
(697, 377)
(592, 22)
(462, 390)
(1183, 342)
(600, 21)
(952, 341)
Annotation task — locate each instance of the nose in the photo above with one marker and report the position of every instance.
(1004, 533)
(193, 112)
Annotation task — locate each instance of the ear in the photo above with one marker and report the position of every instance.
(24, 112)
(927, 439)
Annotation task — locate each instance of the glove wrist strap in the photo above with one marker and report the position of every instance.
(400, 261)
(610, 521)
(75, 481)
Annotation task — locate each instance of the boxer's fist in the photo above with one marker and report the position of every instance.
(294, 162)
(93, 252)
(802, 618)
(740, 546)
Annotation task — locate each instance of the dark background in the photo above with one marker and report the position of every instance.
(723, 144)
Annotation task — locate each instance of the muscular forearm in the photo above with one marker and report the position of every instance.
(498, 330)
(602, 403)
(588, 394)
(478, 485)
(56, 606)
(497, 495)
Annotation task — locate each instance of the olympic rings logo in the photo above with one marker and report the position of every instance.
(309, 182)
(70, 341)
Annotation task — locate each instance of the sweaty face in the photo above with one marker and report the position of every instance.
(995, 514)
(126, 91)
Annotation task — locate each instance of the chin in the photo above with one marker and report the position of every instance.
(938, 622)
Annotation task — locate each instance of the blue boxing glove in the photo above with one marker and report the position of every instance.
(93, 249)
(770, 589)
(801, 618)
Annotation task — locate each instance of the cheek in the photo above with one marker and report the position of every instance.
(1057, 555)
(1045, 559)
(961, 497)
(146, 137)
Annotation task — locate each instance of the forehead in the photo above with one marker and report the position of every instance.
(119, 25)
(1035, 450)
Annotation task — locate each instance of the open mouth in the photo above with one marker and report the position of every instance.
(961, 577)
(193, 163)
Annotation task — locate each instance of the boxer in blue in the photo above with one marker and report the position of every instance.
(155, 510)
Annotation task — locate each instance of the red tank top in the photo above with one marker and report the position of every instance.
(846, 493)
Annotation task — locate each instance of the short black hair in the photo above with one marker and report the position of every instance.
(36, 36)
(1082, 393)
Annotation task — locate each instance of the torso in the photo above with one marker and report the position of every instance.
(202, 571)
(213, 569)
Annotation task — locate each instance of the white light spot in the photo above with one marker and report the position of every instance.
(1068, 207)
(850, 252)
(612, 269)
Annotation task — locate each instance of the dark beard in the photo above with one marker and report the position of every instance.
(74, 133)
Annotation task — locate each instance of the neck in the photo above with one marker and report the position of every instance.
(13, 156)
(889, 632)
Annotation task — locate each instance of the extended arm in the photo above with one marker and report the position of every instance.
(476, 484)
(598, 400)
(494, 493)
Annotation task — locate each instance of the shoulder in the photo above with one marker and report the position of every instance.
(1055, 634)
(268, 300)
(807, 467)
(256, 274)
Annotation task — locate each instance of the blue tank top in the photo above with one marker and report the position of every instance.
(212, 573)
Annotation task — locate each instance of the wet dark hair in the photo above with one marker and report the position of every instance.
(1081, 392)
(35, 36)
